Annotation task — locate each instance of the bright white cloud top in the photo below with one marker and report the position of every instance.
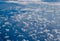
(33, 1)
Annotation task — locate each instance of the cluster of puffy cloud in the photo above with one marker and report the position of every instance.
(34, 0)
(20, 0)
(51, 0)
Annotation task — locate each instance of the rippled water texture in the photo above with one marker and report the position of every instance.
(29, 21)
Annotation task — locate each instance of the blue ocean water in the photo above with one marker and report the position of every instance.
(33, 0)
(29, 22)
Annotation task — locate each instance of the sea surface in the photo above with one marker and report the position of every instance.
(29, 21)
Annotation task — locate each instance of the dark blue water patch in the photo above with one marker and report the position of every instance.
(4, 5)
